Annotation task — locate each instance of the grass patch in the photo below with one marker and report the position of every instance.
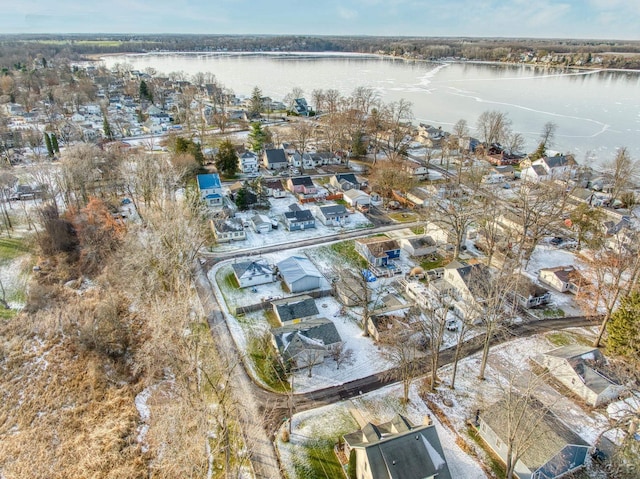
(347, 250)
(559, 339)
(7, 313)
(11, 248)
(267, 363)
(272, 319)
(231, 282)
(494, 463)
(317, 458)
(407, 217)
(432, 262)
(550, 312)
(341, 202)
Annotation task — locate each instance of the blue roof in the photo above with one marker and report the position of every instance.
(213, 195)
(209, 181)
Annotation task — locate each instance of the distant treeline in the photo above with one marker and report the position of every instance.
(21, 49)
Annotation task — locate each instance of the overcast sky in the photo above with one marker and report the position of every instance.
(612, 19)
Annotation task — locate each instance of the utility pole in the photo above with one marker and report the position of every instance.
(291, 405)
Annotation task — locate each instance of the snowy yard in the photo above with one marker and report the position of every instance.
(316, 431)
(281, 236)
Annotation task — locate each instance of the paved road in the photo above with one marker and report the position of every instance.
(261, 412)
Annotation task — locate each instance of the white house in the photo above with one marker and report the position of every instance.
(210, 189)
(228, 229)
(248, 162)
(582, 369)
(549, 168)
(252, 273)
(355, 198)
(261, 224)
(562, 278)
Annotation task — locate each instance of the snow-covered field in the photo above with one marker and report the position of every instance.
(338, 419)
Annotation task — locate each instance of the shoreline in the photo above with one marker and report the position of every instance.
(96, 57)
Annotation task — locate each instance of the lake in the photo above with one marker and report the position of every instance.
(596, 111)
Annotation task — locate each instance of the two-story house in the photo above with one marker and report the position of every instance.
(415, 170)
(345, 181)
(558, 167)
(275, 159)
(378, 250)
(248, 163)
(210, 189)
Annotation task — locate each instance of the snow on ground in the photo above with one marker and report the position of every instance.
(510, 363)
(145, 414)
(338, 419)
(14, 280)
(281, 236)
(548, 256)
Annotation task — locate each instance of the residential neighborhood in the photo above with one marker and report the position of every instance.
(313, 284)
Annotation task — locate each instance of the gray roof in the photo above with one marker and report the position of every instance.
(302, 181)
(538, 428)
(299, 215)
(228, 224)
(588, 363)
(254, 268)
(295, 268)
(260, 219)
(539, 170)
(312, 333)
(333, 210)
(294, 308)
(276, 155)
(556, 161)
(399, 450)
(348, 177)
(421, 241)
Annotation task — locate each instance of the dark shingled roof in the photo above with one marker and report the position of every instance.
(302, 181)
(276, 156)
(254, 267)
(289, 309)
(400, 450)
(330, 210)
(318, 330)
(379, 246)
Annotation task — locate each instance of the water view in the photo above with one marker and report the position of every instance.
(596, 111)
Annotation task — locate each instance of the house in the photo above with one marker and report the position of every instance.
(345, 181)
(418, 245)
(432, 137)
(378, 250)
(356, 198)
(468, 284)
(210, 189)
(261, 224)
(528, 294)
(299, 274)
(332, 215)
(562, 278)
(297, 219)
(307, 343)
(582, 369)
(275, 159)
(248, 163)
(419, 196)
(415, 170)
(508, 172)
(302, 185)
(274, 188)
(252, 273)
(553, 450)
(294, 310)
(558, 167)
(397, 449)
(228, 229)
(301, 107)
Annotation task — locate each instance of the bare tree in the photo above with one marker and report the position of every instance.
(290, 98)
(622, 173)
(401, 351)
(342, 355)
(456, 213)
(493, 127)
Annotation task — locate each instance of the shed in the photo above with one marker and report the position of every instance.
(299, 274)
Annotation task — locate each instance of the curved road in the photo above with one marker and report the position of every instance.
(261, 412)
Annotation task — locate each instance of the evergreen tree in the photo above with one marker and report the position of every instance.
(184, 145)
(255, 104)
(106, 128)
(358, 147)
(241, 199)
(145, 93)
(47, 141)
(226, 160)
(624, 328)
(54, 143)
(257, 137)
